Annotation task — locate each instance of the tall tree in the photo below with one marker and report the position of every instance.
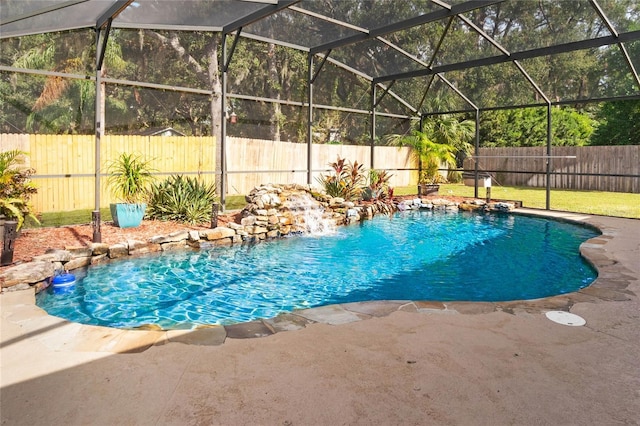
(199, 54)
(528, 127)
(619, 124)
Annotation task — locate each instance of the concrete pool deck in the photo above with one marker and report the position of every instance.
(364, 363)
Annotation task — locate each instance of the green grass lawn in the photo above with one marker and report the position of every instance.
(75, 217)
(235, 202)
(592, 202)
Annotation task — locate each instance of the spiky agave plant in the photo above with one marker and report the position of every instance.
(181, 199)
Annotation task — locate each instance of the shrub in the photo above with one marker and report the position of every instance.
(181, 199)
(378, 188)
(428, 152)
(16, 188)
(347, 181)
(379, 192)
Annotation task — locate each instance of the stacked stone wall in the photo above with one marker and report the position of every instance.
(272, 211)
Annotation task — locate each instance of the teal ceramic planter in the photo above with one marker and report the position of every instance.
(127, 215)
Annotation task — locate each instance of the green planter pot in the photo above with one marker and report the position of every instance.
(127, 215)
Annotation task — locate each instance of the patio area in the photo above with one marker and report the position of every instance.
(382, 363)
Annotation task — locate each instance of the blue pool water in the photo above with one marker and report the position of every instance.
(410, 256)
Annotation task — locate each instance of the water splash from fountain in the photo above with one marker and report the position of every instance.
(308, 215)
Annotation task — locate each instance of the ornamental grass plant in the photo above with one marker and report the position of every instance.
(182, 199)
(129, 177)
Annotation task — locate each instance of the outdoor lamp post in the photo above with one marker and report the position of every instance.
(214, 215)
(487, 185)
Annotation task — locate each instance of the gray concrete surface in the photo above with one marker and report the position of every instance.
(394, 363)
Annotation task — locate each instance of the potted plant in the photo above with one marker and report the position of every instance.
(430, 156)
(16, 190)
(129, 176)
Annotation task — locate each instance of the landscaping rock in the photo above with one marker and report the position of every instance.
(248, 221)
(501, 206)
(173, 237)
(17, 287)
(217, 233)
(223, 242)
(235, 226)
(77, 262)
(254, 230)
(118, 250)
(54, 256)
(174, 245)
(80, 251)
(99, 248)
(469, 207)
(27, 273)
(101, 258)
(141, 247)
(337, 201)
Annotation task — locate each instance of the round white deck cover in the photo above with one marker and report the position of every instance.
(565, 318)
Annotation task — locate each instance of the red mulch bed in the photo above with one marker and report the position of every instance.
(36, 241)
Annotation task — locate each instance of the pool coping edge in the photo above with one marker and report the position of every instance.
(614, 278)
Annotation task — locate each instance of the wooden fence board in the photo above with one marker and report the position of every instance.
(388, 157)
(65, 164)
(567, 173)
(11, 141)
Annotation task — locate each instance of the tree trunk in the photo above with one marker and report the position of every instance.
(274, 93)
(216, 107)
(212, 76)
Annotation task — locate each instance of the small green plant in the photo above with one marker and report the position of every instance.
(16, 188)
(378, 188)
(181, 199)
(379, 192)
(129, 177)
(346, 181)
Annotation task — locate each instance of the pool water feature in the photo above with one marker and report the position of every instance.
(418, 255)
(309, 216)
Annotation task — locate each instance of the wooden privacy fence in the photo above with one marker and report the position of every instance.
(248, 161)
(596, 168)
(65, 168)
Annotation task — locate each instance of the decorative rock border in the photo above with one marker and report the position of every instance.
(272, 211)
(612, 285)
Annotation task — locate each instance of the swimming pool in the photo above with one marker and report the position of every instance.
(410, 256)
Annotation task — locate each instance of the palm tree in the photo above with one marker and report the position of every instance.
(444, 140)
(428, 153)
(447, 129)
(63, 105)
